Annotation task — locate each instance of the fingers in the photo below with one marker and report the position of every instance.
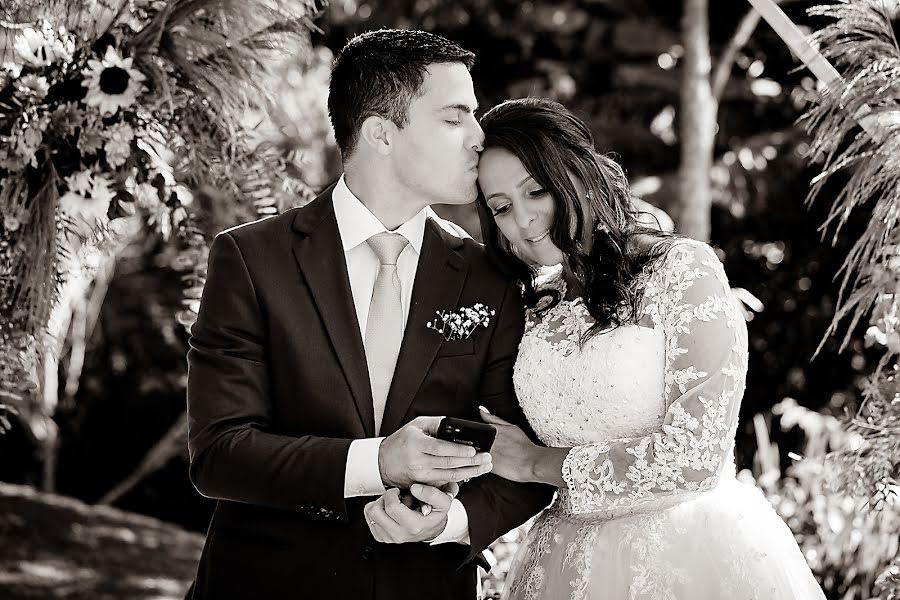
(437, 498)
(451, 488)
(438, 447)
(451, 462)
(487, 417)
(378, 521)
(408, 500)
(427, 424)
(462, 474)
(438, 471)
(385, 526)
(392, 522)
(400, 514)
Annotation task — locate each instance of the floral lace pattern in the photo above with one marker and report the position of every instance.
(705, 368)
(650, 414)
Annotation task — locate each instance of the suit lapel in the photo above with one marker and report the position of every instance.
(319, 254)
(440, 276)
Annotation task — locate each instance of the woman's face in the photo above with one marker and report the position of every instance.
(524, 211)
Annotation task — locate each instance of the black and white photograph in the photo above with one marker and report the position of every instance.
(449, 300)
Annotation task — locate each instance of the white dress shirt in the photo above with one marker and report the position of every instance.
(356, 224)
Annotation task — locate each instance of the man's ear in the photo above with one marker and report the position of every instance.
(376, 132)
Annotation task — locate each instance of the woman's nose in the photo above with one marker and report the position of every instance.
(523, 216)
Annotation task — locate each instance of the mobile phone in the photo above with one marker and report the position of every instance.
(471, 433)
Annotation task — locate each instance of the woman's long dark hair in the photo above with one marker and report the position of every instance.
(553, 144)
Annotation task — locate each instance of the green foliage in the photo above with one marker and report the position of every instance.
(195, 70)
(856, 129)
(849, 548)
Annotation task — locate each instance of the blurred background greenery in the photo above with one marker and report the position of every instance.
(617, 64)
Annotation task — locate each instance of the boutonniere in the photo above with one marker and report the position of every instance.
(461, 324)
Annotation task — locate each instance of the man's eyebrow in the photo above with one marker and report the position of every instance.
(463, 107)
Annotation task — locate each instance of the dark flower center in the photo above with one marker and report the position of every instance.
(114, 80)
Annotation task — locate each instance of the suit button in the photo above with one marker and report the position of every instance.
(366, 552)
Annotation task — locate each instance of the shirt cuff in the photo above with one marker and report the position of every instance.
(457, 528)
(362, 476)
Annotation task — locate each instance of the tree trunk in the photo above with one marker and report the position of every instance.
(698, 124)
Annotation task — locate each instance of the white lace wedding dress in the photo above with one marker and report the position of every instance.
(651, 507)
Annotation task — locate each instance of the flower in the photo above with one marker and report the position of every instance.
(118, 144)
(33, 85)
(88, 197)
(30, 139)
(460, 325)
(67, 118)
(91, 138)
(44, 47)
(80, 182)
(11, 223)
(146, 196)
(112, 82)
(101, 191)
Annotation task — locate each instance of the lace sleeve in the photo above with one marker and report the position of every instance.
(706, 365)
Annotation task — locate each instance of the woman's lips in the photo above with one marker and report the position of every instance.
(538, 238)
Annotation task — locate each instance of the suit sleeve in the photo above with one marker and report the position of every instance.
(495, 505)
(234, 453)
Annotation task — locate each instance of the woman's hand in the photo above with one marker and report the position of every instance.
(512, 452)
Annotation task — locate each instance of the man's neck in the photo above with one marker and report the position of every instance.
(391, 204)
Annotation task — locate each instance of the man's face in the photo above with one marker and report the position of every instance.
(436, 153)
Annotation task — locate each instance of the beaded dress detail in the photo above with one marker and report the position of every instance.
(651, 506)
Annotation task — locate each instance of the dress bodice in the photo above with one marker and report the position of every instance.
(649, 410)
(650, 508)
(609, 387)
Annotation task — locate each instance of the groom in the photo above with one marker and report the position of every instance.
(315, 383)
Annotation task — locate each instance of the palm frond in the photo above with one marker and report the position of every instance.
(862, 44)
(856, 130)
(222, 48)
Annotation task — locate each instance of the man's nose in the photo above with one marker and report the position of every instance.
(478, 144)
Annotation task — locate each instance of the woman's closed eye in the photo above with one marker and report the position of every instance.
(499, 210)
(537, 193)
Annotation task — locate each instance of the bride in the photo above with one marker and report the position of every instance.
(631, 371)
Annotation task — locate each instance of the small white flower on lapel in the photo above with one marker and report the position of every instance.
(461, 324)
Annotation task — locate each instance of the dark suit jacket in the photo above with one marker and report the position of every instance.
(278, 388)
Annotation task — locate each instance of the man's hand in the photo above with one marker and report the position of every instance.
(412, 455)
(392, 521)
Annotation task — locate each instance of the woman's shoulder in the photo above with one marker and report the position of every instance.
(683, 260)
(688, 249)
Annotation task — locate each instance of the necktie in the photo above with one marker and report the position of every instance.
(384, 327)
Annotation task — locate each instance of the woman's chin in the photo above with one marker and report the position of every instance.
(549, 259)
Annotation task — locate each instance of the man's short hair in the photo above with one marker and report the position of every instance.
(381, 73)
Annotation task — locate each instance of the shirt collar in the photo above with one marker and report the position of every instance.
(356, 223)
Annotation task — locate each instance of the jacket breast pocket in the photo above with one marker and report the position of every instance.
(456, 348)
